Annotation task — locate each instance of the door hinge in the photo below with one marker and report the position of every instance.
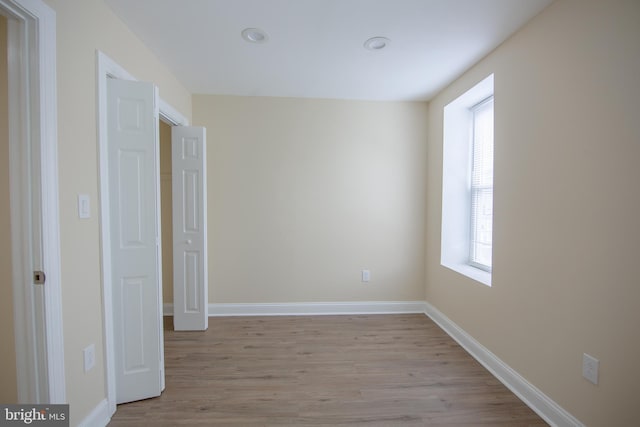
(39, 277)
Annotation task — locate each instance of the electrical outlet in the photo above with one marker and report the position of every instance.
(366, 275)
(590, 367)
(89, 354)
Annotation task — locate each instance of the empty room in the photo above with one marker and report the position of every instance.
(322, 212)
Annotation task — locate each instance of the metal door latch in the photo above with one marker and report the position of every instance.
(39, 277)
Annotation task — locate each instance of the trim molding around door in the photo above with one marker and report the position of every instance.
(108, 68)
(36, 243)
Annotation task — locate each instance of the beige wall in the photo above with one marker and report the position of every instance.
(8, 387)
(303, 194)
(82, 28)
(567, 144)
(166, 212)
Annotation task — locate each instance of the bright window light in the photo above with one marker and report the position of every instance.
(467, 183)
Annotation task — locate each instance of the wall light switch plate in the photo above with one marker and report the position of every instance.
(366, 275)
(84, 206)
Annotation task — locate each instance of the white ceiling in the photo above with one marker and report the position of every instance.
(315, 47)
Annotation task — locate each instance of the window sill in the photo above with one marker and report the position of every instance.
(471, 272)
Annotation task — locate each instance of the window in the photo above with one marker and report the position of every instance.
(482, 185)
(467, 183)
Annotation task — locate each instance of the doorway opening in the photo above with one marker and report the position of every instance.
(8, 378)
(33, 207)
(108, 69)
(166, 223)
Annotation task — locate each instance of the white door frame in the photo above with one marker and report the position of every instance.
(35, 243)
(108, 68)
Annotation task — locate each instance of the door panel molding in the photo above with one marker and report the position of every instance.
(190, 274)
(135, 230)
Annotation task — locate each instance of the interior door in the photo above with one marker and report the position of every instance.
(135, 251)
(189, 189)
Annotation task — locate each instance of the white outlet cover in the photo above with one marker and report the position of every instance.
(84, 206)
(590, 366)
(89, 354)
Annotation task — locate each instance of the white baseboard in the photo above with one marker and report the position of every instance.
(549, 410)
(321, 308)
(98, 417)
(315, 308)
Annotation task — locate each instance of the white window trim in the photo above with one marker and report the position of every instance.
(456, 170)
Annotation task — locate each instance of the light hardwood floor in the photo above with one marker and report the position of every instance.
(373, 370)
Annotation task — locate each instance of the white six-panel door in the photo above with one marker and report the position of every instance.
(189, 188)
(133, 188)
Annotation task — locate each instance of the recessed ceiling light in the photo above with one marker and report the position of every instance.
(377, 43)
(254, 35)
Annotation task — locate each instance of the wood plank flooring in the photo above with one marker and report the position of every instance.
(370, 370)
